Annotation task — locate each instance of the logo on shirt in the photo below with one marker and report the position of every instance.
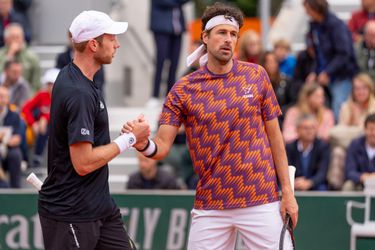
(247, 92)
(101, 105)
(85, 131)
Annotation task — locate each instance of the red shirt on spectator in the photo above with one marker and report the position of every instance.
(42, 102)
(357, 22)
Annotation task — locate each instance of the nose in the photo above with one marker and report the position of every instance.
(117, 44)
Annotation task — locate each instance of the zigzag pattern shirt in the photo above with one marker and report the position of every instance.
(224, 118)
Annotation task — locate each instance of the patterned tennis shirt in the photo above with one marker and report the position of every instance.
(224, 117)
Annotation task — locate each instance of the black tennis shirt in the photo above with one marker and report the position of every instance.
(78, 114)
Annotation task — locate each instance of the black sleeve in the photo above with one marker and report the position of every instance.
(81, 115)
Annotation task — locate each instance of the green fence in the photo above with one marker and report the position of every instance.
(160, 220)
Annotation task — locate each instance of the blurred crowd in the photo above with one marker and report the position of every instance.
(326, 93)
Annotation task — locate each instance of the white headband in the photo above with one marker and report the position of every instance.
(200, 52)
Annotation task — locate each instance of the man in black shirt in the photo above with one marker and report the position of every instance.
(75, 207)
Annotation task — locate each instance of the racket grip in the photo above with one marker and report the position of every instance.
(35, 181)
(292, 172)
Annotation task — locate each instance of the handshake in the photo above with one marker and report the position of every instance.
(135, 134)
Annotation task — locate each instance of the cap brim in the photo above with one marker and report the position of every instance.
(117, 28)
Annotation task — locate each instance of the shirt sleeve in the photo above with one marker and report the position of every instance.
(81, 115)
(172, 113)
(269, 106)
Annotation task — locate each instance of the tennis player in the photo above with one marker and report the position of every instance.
(75, 207)
(230, 115)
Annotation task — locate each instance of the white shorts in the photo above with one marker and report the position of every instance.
(259, 227)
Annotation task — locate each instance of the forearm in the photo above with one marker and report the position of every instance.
(87, 159)
(279, 157)
(163, 141)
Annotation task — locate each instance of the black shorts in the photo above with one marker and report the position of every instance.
(107, 233)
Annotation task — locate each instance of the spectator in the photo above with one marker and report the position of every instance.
(365, 50)
(250, 47)
(353, 113)
(305, 62)
(150, 176)
(64, 58)
(15, 48)
(36, 112)
(167, 23)
(360, 17)
(310, 101)
(8, 16)
(287, 62)
(12, 79)
(333, 46)
(22, 7)
(309, 155)
(282, 85)
(11, 155)
(3, 182)
(360, 160)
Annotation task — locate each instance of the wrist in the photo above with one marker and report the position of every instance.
(125, 141)
(150, 150)
(144, 146)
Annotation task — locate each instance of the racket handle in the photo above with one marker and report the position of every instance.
(292, 172)
(35, 181)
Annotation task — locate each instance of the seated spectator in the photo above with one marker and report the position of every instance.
(150, 176)
(360, 17)
(8, 16)
(365, 50)
(64, 58)
(360, 160)
(286, 92)
(3, 182)
(18, 87)
(250, 47)
(353, 113)
(11, 155)
(287, 62)
(36, 112)
(305, 62)
(309, 155)
(15, 48)
(310, 102)
(333, 46)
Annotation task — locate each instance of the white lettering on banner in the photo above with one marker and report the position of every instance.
(133, 225)
(17, 236)
(19, 232)
(3, 220)
(176, 232)
(151, 218)
(38, 236)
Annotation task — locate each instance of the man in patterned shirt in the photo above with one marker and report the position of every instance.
(230, 115)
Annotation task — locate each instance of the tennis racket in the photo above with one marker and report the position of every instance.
(288, 224)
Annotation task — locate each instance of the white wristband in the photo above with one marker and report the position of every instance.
(125, 141)
(150, 149)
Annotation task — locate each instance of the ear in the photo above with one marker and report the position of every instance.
(93, 45)
(205, 37)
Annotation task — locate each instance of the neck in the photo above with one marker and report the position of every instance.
(218, 67)
(150, 174)
(305, 144)
(371, 9)
(87, 65)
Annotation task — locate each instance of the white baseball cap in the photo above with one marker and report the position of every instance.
(50, 76)
(90, 24)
